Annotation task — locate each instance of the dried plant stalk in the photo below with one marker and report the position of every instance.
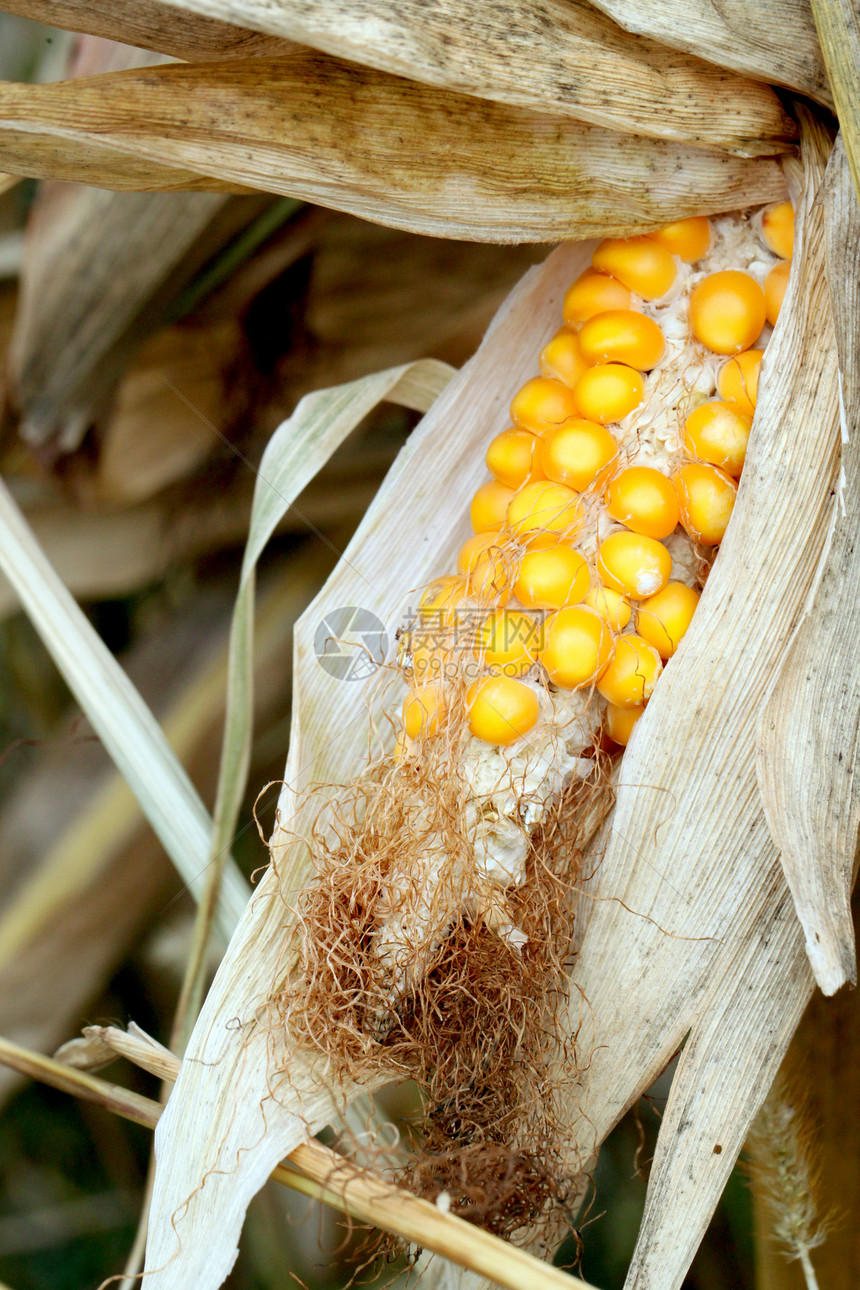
(430, 160)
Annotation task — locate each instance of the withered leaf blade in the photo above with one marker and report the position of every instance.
(809, 742)
(151, 24)
(838, 26)
(384, 148)
(705, 943)
(772, 40)
(557, 56)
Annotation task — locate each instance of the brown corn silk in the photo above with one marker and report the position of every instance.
(705, 943)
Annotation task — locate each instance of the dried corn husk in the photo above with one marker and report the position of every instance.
(430, 160)
(711, 946)
(621, 82)
(772, 40)
(151, 24)
(839, 33)
(808, 750)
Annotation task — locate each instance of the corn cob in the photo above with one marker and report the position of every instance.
(527, 671)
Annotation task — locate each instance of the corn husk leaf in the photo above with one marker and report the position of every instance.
(623, 83)
(708, 944)
(838, 27)
(772, 40)
(430, 160)
(151, 24)
(808, 763)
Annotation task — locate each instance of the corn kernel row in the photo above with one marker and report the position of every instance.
(558, 476)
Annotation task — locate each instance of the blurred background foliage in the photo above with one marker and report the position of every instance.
(151, 345)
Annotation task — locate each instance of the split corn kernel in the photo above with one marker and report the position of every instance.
(422, 712)
(486, 568)
(542, 404)
(619, 723)
(689, 239)
(508, 642)
(577, 647)
(777, 228)
(608, 392)
(727, 311)
(501, 709)
(629, 680)
(552, 578)
(591, 294)
(644, 500)
(662, 620)
(611, 606)
(577, 454)
(775, 287)
(641, 263)
(737, 381)
(490, 506)
(718, 433)
(706, 496)
(545, 506)
(510, 457)
(562, 359)
(634, 565)
(622, 336)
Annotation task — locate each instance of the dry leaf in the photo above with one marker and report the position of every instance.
(620, 82)
(808, 739)
(151, 24)
(430, 160)
(772, 40)
(838, 26)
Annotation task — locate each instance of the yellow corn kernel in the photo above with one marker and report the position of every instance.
(510, 456)
(552, 578)
(629, 680)
(440, 606)
(706, 496)
(737, 381)
(777, 228)
(577, 647)
(561, 359)
(422, 712)
(591, 294)
(727, 311)
(644, 500)
(622, 336)
(508, 642)
(501, 709)
(634, 565)
(490, 506)
(486, 568)
(577, 454)
(663, 619)
(431, 664)
(718, 433)
(611, 606)
(542, 404)
(545, 506)
(689, 239)
(640, 263)
(608, 392)
(775, 287)
(619, 723)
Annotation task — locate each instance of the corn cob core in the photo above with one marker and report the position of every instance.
(615, 482)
